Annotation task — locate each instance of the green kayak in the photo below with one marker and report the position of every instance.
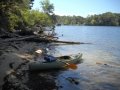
(60, 63)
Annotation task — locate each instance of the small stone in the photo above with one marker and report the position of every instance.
(105, 64)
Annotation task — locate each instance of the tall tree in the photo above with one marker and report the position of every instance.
(47, 7)
(10, 12)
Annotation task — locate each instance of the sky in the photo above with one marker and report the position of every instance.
(82, 7)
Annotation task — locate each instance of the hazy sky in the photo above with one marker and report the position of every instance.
(82, 7)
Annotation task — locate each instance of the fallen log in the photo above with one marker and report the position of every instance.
(68, 42)
(18, 39)
(54, 41)
(41, 39)
(5, 34)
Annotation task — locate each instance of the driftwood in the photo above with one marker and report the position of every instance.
(47, 40)
(34, 38)
(18, 39)
(68, 42)
(11, 37)
(5, 34)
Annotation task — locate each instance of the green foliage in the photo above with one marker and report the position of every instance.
(47, 7)
(33, 17)
(16, 14)
(70, 20)
(12, 21)
(105, 19)
(10, 11)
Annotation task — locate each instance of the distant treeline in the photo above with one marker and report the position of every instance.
(105, 19)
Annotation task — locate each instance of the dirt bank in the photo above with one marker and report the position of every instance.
(14, 73)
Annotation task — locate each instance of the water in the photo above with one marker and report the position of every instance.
(100, 69)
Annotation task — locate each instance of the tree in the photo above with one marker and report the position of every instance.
(10, 13)
(70, 20)
(105, 19)
(47, 7)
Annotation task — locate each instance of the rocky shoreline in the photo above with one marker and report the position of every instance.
(14, 70)
(16, 51)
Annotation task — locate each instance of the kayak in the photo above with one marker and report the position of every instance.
(60, 63)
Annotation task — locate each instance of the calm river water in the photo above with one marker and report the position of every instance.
(100, 69)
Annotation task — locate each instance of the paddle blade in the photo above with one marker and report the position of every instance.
(72, 66)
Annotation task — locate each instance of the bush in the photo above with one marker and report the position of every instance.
(33, 17)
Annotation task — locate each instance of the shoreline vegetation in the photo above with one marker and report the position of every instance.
(18, 23)
(23, 30)
(105, 19)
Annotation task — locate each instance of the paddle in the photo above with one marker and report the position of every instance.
(68, 65)
(71, 65)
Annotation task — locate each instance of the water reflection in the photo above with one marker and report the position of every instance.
(101, 67)
(95, 73)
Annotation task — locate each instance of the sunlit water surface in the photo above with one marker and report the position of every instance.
(100, 69)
